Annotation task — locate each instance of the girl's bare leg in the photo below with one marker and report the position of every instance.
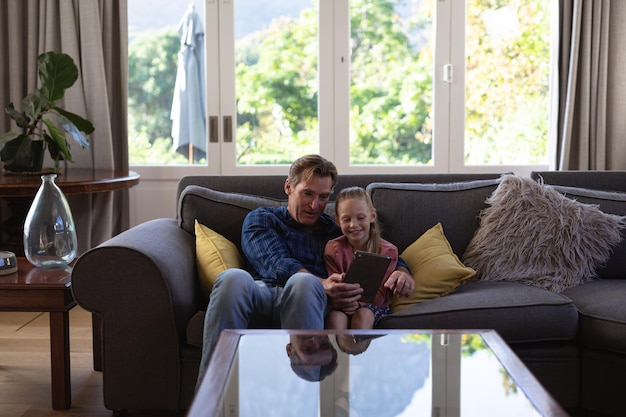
(363, 318)
(336, 319)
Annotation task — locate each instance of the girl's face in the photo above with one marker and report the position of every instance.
(355, 219)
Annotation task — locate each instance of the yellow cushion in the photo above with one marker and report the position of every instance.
(435, 268)
(214, 254)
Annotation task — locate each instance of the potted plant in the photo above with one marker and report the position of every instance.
(23, 152)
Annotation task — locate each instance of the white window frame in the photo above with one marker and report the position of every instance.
(334, 100)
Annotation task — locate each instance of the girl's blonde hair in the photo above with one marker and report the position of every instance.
(373, 242)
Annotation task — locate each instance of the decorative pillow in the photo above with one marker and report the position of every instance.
(214, 254)
(609, 202)
(533, 234)
(436, 269)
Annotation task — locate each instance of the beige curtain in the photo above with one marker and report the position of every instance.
(94, 34)
(591, 127)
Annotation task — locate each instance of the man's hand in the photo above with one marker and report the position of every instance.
(341, 295)
(401, 283)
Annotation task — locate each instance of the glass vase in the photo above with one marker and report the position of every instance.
(49, 231)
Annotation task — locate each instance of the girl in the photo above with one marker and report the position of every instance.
(356, 215)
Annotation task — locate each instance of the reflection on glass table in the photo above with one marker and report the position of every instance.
(371, 373)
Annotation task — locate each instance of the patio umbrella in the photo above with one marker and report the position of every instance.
(188, 106)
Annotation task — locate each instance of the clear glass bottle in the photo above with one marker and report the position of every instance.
(49, 231)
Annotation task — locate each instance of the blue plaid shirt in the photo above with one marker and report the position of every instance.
(276, 246)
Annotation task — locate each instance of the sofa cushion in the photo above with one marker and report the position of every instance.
(271, 186)
(435, 268)
(406, 211)
(214, 254)
(613, 180)
(532, 234)
(222, 212)
(608, 202)
(518, 312)
(602, 311)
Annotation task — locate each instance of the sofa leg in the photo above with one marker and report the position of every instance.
(120, 413)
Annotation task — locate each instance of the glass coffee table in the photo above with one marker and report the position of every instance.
(368, 373)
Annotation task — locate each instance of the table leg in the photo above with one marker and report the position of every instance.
(60, 359)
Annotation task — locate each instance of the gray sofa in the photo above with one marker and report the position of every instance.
(143, 286)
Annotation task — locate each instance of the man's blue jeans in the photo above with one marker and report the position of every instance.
(237, 297)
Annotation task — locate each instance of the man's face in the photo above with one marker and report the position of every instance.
(311, 350)
(312, 357)
(307, 200)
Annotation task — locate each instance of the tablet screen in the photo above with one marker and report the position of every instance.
(368, 270)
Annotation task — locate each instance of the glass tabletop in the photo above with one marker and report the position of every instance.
(382, 374)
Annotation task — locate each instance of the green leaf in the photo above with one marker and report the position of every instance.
(20, 118)
(73, 130)
(55, 152)
(57, 142)
(74, 125)
(12, 148)
(34, 104)
(57, 73)
(17, 151)
(82, 124)
(5, 137)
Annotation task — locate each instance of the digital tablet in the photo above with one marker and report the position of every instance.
(368, 270)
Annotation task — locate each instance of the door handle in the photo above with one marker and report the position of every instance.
(228, 128)
(213, 129)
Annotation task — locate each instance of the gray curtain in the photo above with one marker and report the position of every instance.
(591, 122)
(94, 34)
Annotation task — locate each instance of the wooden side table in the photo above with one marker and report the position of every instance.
(45, 290)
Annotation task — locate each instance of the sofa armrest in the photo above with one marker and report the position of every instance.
(143, 284)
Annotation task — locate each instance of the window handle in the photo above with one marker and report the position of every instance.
(228, 128)
(447, 73)
(213, 129)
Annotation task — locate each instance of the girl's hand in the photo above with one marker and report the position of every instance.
(401, 283)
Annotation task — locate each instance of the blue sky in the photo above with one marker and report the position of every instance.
(146, 15)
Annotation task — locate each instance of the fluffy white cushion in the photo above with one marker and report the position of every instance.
(533, 234)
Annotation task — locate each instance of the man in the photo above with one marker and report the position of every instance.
(312, 356)
(284, 246)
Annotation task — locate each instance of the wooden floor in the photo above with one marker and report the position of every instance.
(25, 367)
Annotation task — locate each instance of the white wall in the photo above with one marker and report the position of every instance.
(152, 199)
